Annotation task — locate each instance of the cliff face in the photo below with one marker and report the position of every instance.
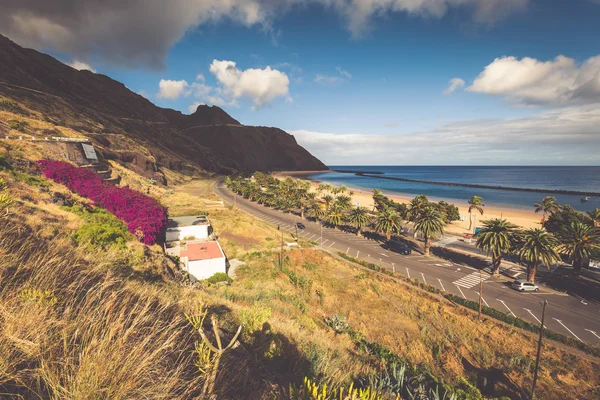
(110, 115)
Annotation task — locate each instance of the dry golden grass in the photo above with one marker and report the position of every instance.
(77, 324)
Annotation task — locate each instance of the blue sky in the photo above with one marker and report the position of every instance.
(360, 81)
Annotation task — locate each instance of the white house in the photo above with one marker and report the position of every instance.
(203, 260)
(188, 228)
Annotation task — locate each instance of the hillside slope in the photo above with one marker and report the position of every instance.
(100, 107)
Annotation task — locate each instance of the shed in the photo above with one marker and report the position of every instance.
(203, 260)
(188, 228)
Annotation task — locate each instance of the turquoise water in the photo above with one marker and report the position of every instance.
(551, 178)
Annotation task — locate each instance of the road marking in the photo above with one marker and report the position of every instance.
(408, 272)
(533, 315)
(560, 322)
(593, 333)
(461, 292)
(325, 241)
(509, 310)
(357, 253)
(441, 284)
(470, 280)
(487, 305)
(348, 250)
(332, 243)
(383, 254)
(424, 280)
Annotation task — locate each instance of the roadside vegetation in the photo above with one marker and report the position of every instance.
(565, 234)
(82, 317)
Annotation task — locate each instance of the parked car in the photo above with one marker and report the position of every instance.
(398, 247)
(524, 286)
(300, 225)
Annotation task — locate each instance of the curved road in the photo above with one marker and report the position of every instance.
(564, 314)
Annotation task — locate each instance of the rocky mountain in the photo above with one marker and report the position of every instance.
(128, 127)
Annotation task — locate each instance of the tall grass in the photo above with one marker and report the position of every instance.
(70, 330)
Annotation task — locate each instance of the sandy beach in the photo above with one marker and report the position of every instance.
(519, 217)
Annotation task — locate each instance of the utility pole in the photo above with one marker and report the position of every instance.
(321, 225)
(281, 250)
(480, 293)
(539, 351)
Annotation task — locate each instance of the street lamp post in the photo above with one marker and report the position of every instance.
(539, 351)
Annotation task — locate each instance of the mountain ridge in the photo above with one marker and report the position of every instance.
(99, 107)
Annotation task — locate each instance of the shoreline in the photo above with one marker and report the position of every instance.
(521, 217)
(473, 185)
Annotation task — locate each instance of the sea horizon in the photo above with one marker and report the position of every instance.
(530, 183)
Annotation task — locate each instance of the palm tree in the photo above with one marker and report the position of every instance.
(495, 238)
(595, 216)
(387, 221)
(344, 201)
(322, 187)
(415, 206)
(537, 246)
(327, 199)
(335, 216)
(315, 210)
(547, 206)
(359, 217)
(430, 223)
(476, 203)
(579, 241)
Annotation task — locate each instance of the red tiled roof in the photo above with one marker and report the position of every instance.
(202, 251)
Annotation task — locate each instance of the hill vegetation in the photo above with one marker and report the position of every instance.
(83, 319)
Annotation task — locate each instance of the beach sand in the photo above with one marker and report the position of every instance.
(519, 217)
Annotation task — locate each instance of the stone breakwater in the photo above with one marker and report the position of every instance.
(379, 175)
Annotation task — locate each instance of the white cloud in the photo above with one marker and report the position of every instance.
(80, 65)
(200, 78)
(344, 73)
(142, 31)
(261, 86)
(560, 136)
(455, 83)
(529, 81)
(172, 90)
(201, 90)
(328, 80)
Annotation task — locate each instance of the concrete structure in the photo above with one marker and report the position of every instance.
(203, 260)
(188, 228)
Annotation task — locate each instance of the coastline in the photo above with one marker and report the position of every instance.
(518, 216)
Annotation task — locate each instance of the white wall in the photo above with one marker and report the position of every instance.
(204, 269)
(197, 231)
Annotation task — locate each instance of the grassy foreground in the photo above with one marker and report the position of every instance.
(84, 319)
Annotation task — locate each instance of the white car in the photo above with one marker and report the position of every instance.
(524, 286)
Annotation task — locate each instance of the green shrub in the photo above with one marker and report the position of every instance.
(337, 323)
(20, 126)
(219, 277)
(101, 229)
(4, 162)
(29, 179)
(253, 318)
(13, 107)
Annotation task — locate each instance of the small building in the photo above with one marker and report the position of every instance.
(188, 228)
(203, 260)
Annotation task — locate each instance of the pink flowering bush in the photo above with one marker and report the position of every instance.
(143, 215)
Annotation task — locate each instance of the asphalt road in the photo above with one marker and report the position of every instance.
(565, 314)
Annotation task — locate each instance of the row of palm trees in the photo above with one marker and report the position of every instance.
(564, 230)
(333, 205)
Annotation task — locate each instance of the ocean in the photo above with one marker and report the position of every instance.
(580, 179)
